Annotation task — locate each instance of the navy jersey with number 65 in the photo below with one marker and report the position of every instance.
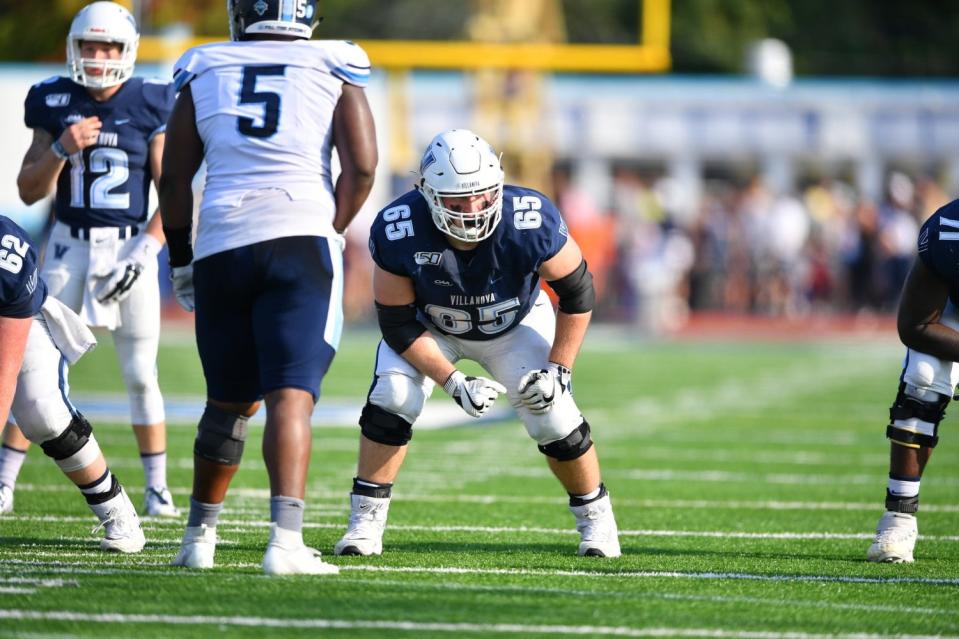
(22, 292)
(939, 247)
(108, 184)
(475, 294)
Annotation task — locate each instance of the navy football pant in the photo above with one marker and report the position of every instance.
(268, 316)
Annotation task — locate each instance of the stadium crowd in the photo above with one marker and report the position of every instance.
(745, 249)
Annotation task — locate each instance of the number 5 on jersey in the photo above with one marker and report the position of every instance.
(269, 100)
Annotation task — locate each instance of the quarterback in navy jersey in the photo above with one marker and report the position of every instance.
(928, 323)
(38, 338)
(458, 264)
(97, 145)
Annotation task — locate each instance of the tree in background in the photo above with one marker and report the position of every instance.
(851, 37)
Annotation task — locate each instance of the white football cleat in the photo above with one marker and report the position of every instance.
(286, 554)
(158, 502)
(6, 499)
(122, 526)
(596, 524)
(197, 548)
(364, 534)
(896, 535)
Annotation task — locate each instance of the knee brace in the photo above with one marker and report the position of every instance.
(75, 447)
(383, 427)
(570, 447)
(914, 417)
(398, 394)
(220, 436)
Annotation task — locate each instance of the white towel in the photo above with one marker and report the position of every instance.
(104, 248)
(69, 334)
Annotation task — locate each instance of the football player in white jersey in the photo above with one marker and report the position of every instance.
(265, 272)
(39, 338)
(459, 261)
(97, 143)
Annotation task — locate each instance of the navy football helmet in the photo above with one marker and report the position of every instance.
(296, 18)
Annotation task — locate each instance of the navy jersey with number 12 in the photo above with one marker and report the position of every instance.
(476, 294)
(108, 183)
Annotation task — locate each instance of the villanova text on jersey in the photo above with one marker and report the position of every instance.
(476, 294)
(108, 183)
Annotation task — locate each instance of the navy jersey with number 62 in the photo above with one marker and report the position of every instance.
(22, 292)
(475, 294)
(939, 247)
(108, 184)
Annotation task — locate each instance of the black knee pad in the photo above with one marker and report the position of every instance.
(384, 427)
(907, 407)
(570, 447)
(220, 436)
(70, 441)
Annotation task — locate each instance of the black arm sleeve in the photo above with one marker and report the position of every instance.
(399, 325)
(575, 291)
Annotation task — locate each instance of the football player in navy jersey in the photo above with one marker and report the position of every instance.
(97, 143)
(458, 264)
(928, 324)
(39, 337)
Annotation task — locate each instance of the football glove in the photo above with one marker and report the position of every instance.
(182, 277)
(116, 285)
(541, 389)
(475, 395)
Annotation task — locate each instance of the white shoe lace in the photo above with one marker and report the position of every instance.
(116, 524)
(364, 523)
(895, 536)
(592, 524)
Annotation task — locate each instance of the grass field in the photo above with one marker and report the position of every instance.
(747, 479)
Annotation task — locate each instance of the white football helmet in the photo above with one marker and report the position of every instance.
(102, 22)
(459, 163)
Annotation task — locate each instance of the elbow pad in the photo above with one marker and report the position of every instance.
(399, 325)
(575, 291)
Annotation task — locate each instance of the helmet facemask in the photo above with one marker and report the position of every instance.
(460, 164)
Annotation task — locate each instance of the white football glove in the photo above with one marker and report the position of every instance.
(475, 395)
(541, 389)
(182, 277)
(116, 285)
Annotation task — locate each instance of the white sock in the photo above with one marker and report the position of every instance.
(11, 459)
(101, 485)
(154, 468)
(903, 488)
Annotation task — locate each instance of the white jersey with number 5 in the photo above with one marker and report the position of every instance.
(264, 111)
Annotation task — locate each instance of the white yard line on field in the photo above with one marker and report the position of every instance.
(764, 390)
(58, 567)
(721, 599)
(415, 626)
(239, 524)
(238, 495)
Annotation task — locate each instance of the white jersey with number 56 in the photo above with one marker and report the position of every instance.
(264, 111)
